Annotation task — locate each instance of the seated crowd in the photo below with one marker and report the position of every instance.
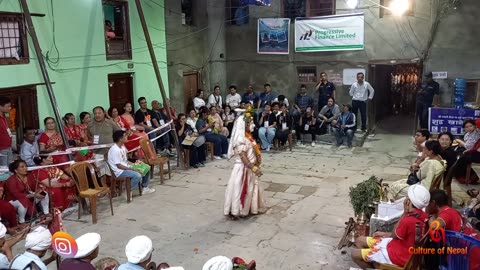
(138, 251)
(438, 161)
(49, 183)
(275, 117)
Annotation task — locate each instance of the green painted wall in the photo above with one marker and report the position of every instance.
(81, 74)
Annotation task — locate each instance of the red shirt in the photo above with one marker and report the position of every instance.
(5, 138)
(398, 248)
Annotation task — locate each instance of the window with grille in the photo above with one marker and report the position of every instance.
(388, 12)
(13, 39)
(308, 8)
(117, 30)
(307, 74)
(237, 12)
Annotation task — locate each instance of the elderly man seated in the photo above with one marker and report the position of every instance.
(37, 243)
(88, 248)
(344, 125)
(139, 253)
(6, 246)
(218, 263)
(392, 247)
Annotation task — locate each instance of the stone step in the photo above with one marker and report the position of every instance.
(358, 139)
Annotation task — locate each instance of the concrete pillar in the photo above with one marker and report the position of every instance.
(216, 49)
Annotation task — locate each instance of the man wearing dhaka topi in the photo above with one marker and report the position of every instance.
(393, 247)
(244, 194)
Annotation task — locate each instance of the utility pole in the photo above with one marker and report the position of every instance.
(158, 76)
(43, 68)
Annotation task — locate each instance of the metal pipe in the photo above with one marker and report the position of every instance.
(158, 76)
(43, 68)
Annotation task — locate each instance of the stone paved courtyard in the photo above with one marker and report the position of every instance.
(307, 194)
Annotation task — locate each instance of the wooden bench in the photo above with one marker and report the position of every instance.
(210, 149)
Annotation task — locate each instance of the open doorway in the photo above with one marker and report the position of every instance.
(24, 112)
(190, 87)
(395, 96)
(120, 90)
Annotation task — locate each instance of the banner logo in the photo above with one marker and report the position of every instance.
(307, 35)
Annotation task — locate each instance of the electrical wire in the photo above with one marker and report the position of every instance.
(55, 61)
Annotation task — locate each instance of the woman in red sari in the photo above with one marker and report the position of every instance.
(58, 184)
(85, 119)
(134, 132)
(51, 141)
(76, 137)
(23, 188)
(113, 114)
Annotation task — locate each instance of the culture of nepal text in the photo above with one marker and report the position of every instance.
(438, 251)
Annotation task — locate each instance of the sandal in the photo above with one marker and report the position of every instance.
(473, 193)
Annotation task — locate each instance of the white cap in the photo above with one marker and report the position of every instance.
(138, 249)
(86, 244)
(38, 239)
(419, 196)
(218, 263)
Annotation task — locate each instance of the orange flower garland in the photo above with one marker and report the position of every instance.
(256, 148)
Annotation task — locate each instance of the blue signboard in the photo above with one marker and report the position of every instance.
(449, 119)
(259, 2)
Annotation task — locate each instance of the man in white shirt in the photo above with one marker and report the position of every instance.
(233, 99)
(361, 92)
(121, 167)
(37, 244)
(6, 245)
(215, 99)
(29, 147)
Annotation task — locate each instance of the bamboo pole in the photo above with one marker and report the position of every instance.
(158, 76)
(43, 68)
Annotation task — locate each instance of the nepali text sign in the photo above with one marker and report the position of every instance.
(449, 119)
(330, 33)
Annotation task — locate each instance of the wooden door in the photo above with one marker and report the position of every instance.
(24, 112)
(190, 87)
(120, 89)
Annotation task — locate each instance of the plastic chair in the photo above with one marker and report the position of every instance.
(79, 172)
(116, 183)
(461, 261)
(152, 159)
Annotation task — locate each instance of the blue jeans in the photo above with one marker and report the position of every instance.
(266, 136)
(339, 133)
(135, 178)
(220, 143)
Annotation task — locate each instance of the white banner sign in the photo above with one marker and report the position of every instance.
(440, 74)
(330, 33)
